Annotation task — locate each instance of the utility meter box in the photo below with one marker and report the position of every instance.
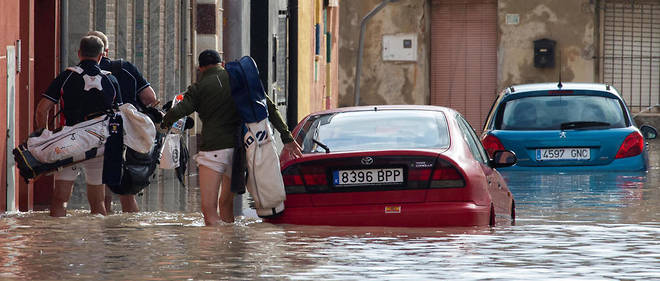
(544, 53)
(400, 47)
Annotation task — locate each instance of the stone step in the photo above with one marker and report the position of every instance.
(647, 118)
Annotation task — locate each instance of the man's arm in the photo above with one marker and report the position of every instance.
(276, 119)
(43, 111)
(148, 97)
(274, 116)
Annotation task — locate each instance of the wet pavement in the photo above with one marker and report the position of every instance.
(572, 226)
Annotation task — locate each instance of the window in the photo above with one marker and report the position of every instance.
(471, 139)
(549, 112)
(375, 130)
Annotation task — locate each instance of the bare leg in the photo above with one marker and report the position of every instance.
(128, 203)
(96, 198)
(108, 200)
(61, 196)
(226, 200)
(209, 182)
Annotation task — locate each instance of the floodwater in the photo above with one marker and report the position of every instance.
(587, 226)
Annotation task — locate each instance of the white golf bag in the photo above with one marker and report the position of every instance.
(264, 179)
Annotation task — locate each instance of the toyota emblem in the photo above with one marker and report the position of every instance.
(367, 160)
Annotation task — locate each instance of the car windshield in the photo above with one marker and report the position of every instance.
(374, 130)
(562, 112)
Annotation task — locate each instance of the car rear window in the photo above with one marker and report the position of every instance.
(550, 112)
(375, 130)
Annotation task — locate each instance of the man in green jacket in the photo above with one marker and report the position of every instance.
(211, 98)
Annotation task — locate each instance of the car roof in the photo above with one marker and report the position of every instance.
(523, 88)
(386, 107)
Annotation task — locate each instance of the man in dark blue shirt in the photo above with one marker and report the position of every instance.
(83, 92)
(134, 90)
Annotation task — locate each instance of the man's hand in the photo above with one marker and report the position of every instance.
(161, 128)
(293, 148)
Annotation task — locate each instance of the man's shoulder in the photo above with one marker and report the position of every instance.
(124, 64)
(75, 69)
(128, 67)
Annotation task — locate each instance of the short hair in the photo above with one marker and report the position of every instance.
(208, 57)
(91, 46)
(100, 34)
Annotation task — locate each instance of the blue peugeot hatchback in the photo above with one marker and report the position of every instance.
(569, 126)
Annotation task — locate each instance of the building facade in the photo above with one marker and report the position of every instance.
(468, 50)
(294, 43)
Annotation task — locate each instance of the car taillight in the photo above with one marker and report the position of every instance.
(633, 145)
(293, 181)
(446, 175)
(299, 179)
(491, 144)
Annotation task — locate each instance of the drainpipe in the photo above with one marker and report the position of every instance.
(292, 100)
(64, 33)
(363, 27)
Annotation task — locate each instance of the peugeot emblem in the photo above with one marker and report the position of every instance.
(367, 160)
(562, 134)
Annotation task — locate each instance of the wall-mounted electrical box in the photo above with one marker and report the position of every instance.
(400, 47)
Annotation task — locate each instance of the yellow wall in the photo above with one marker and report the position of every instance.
(305, 57)
(317, 81)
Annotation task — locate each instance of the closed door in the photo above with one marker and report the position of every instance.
(464, 57)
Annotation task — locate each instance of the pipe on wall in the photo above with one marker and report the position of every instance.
(64, 34)
(292, 100)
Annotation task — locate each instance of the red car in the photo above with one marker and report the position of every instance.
(408, 166)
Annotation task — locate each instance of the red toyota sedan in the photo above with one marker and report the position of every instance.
(407, 166)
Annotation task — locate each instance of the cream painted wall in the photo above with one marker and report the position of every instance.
(572, 23)
(383, 82)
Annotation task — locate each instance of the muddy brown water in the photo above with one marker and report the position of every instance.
(585, 226)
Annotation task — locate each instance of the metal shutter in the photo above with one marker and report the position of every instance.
(464, 57)
(631, 50)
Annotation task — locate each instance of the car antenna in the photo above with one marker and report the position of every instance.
(375, 108)
(559, 85)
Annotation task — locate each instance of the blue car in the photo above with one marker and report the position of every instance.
(566, 127)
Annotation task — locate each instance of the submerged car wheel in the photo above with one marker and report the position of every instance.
(492, 215)
(513, 212)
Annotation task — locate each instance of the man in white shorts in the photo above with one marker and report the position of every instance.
(211, 98)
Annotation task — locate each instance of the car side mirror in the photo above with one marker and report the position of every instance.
(503, 158)
(648, 132)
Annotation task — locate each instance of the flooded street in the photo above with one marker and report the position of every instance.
(602, 226)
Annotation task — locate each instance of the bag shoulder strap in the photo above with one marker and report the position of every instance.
(115, 66)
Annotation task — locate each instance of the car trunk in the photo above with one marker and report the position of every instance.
(367, 178)
(564, 148)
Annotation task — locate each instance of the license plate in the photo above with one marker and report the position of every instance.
(368, 176)
(543, 154)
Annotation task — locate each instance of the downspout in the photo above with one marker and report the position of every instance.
(363, 27)
(292, 100)
(64, 33)
(328, 59)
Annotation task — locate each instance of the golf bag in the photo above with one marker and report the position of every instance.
(46, 151)
(263, 177)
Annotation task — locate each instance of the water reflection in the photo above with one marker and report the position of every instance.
(583, 196)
